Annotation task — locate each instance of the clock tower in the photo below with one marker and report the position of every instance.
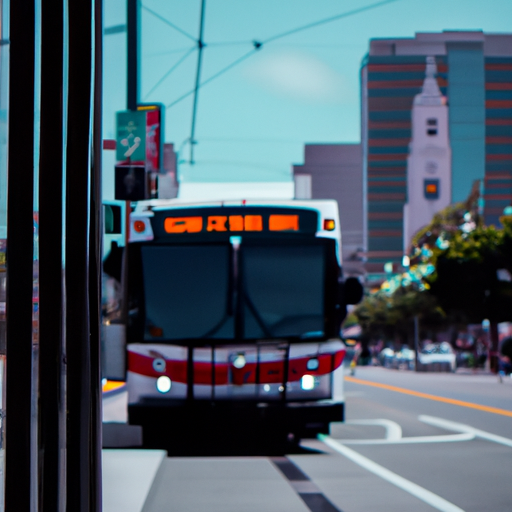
(429, 180)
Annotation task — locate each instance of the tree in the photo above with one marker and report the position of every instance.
(389, 316)
(470, 280)
(431, 240)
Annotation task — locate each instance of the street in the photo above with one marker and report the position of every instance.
(411, 441)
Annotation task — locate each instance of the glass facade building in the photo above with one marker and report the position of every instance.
(474, 72)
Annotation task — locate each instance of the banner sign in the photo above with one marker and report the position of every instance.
(153, 136)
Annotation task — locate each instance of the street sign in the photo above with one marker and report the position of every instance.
(131, 137)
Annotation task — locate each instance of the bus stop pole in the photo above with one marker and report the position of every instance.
(20, 231)
(52, 406)
(133, 47)
(81, 265)
(95, 260)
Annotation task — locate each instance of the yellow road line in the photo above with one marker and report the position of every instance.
(494, 410)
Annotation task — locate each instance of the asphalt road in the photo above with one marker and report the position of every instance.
(412, 441)
(471, 472)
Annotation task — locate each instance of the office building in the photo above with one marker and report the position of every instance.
(334, 171)
(474, 72)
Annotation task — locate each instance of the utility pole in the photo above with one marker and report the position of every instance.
(200, 46)
(416, 343)
(133, 47)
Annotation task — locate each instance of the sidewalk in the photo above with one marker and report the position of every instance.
(127, 478)
(148, 481)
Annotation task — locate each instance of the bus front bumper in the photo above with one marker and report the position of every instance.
(227, 423)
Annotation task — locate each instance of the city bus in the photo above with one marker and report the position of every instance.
(224, 317)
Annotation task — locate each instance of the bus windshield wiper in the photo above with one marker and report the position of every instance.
(257, 316)
(216, 328)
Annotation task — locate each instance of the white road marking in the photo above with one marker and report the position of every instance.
(460, 427)
(393, 429)
(394, 435)
(411, 440)
(419, 492)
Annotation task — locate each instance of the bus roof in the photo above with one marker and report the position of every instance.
(326, 208)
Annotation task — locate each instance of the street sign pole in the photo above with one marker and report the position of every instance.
(416, 342)
(132, 45)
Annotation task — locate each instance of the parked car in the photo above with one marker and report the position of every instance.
(437, 357)
(386, 357)
(404, 359)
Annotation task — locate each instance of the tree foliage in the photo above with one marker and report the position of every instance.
(456, 218)
(390, 316)
(466, 281)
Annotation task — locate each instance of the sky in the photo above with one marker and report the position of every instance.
(253, 120)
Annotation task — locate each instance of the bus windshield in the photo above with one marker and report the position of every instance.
(186, 291)
(206, 291)
(283, 291)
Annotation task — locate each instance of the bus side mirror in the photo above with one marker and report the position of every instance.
(352, 290)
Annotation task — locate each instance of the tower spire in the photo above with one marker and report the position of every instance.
(430, 92)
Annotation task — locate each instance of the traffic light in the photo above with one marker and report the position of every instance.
(131, 183)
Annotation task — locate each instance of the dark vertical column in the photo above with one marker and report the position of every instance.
(494, 352)
(133, 25)
(20, 256)
(51, 410)
(200, 46)
(95, 259)
(82, 451)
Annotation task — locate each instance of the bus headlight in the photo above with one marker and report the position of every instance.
(163, 384)
(307, 383)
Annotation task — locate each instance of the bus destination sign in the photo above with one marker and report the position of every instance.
(235, 220)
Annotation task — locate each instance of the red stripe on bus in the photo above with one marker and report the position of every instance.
(270, 372)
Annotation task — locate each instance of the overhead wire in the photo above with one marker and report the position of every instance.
(167, 22)
(169, 52)
(183, 58)
(213, 77)
(258, 44)
(228, 43)
(243, 140)
(328, 20)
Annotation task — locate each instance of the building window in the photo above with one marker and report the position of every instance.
(432, 126)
